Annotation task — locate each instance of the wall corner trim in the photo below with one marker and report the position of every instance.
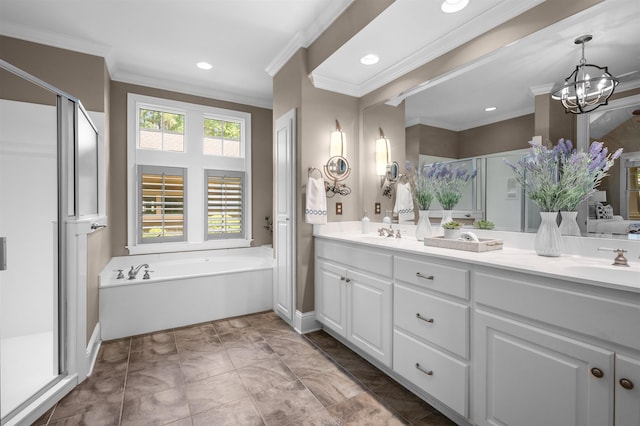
(306, 322)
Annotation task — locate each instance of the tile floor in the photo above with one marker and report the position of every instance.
(251, 370)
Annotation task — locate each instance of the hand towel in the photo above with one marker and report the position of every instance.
(404, 203)
(316, 208)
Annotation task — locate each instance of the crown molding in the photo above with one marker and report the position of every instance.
(190, 89)
(542, 89)
(471, 29)
(455, 127)
(303, 39)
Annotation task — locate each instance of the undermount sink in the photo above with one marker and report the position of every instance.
(607, 273)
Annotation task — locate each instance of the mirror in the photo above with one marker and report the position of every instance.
(393, 172)
(448, 111)
(617, 126)
(337, 168)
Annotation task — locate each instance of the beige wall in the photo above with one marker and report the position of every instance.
(78, 74)
(507, 135)
(261, 152)
(434, 140)
(316, 112)
(391, 120)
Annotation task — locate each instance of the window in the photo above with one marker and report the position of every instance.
(222, 137)
(161, 130)
(189, 176)
(224, 204)
(162, 206)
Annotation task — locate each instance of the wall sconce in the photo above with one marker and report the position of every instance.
(382, 154)
(337, 168)
(385, 168)
(338, 142)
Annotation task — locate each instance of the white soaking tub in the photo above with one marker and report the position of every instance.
(183, 289)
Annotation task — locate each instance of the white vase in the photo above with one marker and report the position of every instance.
(569, 225)
(548, 240)
(424, 226)
(447, 216)
(452, 234)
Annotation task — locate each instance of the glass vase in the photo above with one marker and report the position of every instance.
(569, 224)
(548, 238)
(447, 216)
(424, 226)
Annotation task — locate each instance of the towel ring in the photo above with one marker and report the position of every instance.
(313, 169)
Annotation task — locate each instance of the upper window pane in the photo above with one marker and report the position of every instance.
(160, 130)
(222, 138)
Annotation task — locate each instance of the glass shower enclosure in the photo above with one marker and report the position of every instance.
(39, 151)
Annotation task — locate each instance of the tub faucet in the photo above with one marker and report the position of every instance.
(134, 271)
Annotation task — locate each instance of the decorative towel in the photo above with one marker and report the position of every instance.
(316, 209)
(404, 203)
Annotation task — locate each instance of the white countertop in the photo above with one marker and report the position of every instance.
(596, 271)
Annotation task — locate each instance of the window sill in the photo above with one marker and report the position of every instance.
(183, 246)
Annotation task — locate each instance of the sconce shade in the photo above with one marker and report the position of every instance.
(338, 142)
(587, 87)
(382, 154)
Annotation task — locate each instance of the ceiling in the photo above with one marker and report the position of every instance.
(157, 43)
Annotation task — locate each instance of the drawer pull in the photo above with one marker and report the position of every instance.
(427, 372)
(342, 278)
(426, 277)
(429, 320)
(597, 373)
(626, 383)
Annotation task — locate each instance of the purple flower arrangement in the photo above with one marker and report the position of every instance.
(561, 178)
(448, 182)
(421, 187)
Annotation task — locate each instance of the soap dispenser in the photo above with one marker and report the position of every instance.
(365, 223)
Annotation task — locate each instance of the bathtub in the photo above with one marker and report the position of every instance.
(183, 289)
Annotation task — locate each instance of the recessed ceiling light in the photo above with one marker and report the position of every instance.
(369, 59)
(489, 109)
(453, 6)
(204, 65)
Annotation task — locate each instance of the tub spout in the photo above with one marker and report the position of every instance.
(134, 271)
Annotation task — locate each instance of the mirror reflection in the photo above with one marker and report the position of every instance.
(448, 119)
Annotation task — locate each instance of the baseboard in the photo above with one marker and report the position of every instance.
(306, 322)
(93, 348)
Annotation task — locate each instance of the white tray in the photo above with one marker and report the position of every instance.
(485, 244)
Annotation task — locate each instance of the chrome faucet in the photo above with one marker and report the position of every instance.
(134, 271)
(388, 232)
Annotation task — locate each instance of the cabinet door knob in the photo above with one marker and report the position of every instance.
(427, 372)
(342, 278)
(626, 383)
(597, 373)
(426, 277)
(430, 320)
(348, 280)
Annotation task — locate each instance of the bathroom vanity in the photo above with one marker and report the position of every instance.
(499, 338)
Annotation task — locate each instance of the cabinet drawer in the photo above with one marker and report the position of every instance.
(449, 378)
(439, 321)
(366, 260)
(445, 279)
(568, 307)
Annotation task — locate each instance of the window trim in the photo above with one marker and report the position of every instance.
(195, 163)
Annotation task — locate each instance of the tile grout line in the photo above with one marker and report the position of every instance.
(124, 385)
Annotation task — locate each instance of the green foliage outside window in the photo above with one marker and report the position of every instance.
(158, 120)
(221, 129)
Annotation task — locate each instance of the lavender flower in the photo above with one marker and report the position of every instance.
(421, 186)
(448, 183)
(562, 178)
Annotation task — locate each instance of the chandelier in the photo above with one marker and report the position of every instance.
(588, 86)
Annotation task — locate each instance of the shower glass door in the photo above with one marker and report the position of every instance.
(29, 308)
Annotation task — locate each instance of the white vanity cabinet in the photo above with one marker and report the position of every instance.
(353, 296)
(431, 328)
(553, 352)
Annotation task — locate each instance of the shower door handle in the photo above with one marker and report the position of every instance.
(3, 253)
